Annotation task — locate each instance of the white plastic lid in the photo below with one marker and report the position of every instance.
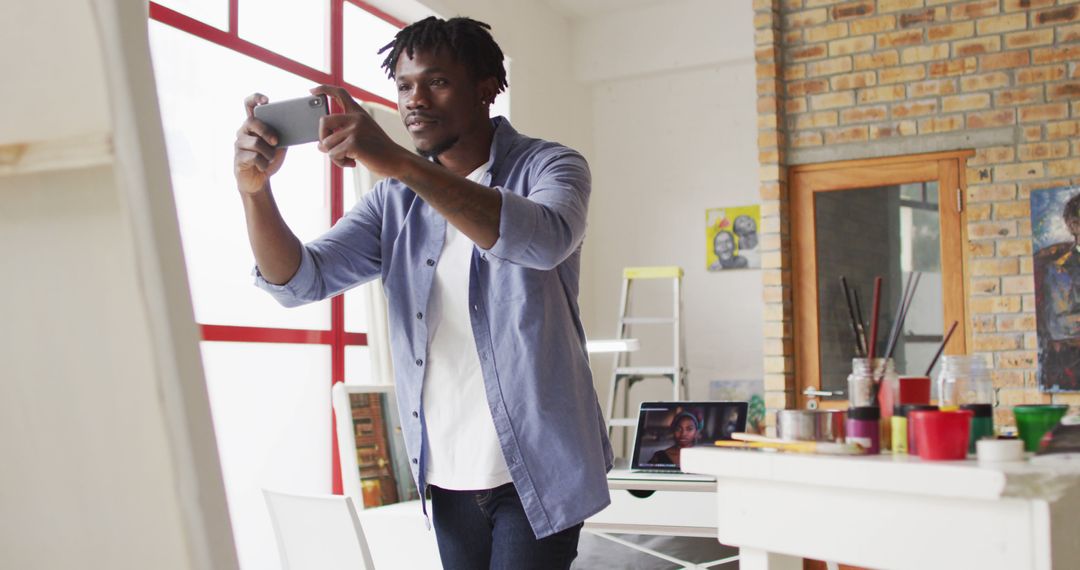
(999, 450)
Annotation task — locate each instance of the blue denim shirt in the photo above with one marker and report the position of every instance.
(525, 317)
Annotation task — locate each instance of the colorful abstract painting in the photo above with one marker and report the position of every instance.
(1055, 235)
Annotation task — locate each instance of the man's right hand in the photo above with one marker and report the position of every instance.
(256, 159)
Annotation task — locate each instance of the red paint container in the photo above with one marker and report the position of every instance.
(942, 435)
(912, 445)
(914, 390)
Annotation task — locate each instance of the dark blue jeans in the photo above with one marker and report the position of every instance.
(481, 530)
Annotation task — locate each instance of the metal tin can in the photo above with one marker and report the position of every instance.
(810, 425)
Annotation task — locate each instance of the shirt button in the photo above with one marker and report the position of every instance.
(476, 307)
(430, 262)
(415, 461)
(419, 362)
(415, 415)
(419, 315)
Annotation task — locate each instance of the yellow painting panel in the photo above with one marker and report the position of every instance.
(731, 238)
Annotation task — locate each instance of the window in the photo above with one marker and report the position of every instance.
(268, 369)
(887, 217)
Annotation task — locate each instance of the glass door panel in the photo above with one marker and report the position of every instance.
(888, 231)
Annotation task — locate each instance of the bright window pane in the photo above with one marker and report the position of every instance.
(200, 124)
(358, 366)
(212, 12)
(364, 35)
(271, 410)
(356, 318)
(296, 30)
(356, 314)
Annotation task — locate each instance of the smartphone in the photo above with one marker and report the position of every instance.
(295, 120)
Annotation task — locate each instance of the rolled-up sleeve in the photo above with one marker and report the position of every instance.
(297, 290)
(349, 254)
(542, 228)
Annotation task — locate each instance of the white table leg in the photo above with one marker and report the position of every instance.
(754, 559)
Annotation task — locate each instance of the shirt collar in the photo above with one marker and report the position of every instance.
(504, 139)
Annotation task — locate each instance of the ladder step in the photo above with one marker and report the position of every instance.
(648, 320)
(622, 422)
(645, 371)
(613, 345)
(669, 271)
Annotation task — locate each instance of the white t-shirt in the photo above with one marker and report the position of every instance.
(463, 450)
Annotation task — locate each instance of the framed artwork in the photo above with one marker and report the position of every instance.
(731, 238)
(752, 391)
(1055, 236)
(381, 461)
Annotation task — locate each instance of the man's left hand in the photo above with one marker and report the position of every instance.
(353, 136)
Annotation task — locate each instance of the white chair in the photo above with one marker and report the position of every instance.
(320, 532)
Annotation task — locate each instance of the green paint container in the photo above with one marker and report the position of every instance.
(1033, 421)
(982, 423)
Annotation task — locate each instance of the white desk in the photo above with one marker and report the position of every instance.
(886, 512)
(657, 507)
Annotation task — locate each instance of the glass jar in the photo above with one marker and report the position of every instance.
(863, 426)
(963, 380)
(861, 390)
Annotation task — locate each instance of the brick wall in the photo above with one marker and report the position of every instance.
(841, 79)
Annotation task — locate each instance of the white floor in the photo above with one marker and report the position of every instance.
(398, 538)
(595, 553)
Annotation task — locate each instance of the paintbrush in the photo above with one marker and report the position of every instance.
(900, 300)
(844, 448)
(859, 349)
(860, 321)
(875, 311)
(898, 325)
(819, 447)
(941, 348)
(894, 335)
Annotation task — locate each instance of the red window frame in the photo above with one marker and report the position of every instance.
(336, 337)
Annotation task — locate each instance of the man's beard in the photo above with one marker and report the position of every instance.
(438, 148)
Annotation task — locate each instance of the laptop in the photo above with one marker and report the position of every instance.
(665, 428)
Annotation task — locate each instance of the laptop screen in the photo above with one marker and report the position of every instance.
(665, 428)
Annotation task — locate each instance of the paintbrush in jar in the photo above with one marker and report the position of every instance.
(856, 326)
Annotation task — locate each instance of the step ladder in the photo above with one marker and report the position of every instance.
(622, 370)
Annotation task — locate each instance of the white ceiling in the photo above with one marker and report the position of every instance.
(591, 8)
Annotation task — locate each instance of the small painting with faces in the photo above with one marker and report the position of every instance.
(1055, 235)
(731, 238)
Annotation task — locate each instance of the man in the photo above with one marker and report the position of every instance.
(478, 245)
(746, 229)
(724, 248)
(1057, 302)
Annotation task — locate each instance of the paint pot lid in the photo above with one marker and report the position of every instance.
(980, 410)
(999, 450)
(870, 413)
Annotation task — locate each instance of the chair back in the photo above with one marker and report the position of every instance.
(317, 532)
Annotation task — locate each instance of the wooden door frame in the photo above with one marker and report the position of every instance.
(947, 168)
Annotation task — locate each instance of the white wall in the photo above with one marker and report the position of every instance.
(548, 101)
(661, 99)
(674, 133)
(105, 433)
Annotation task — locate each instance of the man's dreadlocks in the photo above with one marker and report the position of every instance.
(467, 39)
